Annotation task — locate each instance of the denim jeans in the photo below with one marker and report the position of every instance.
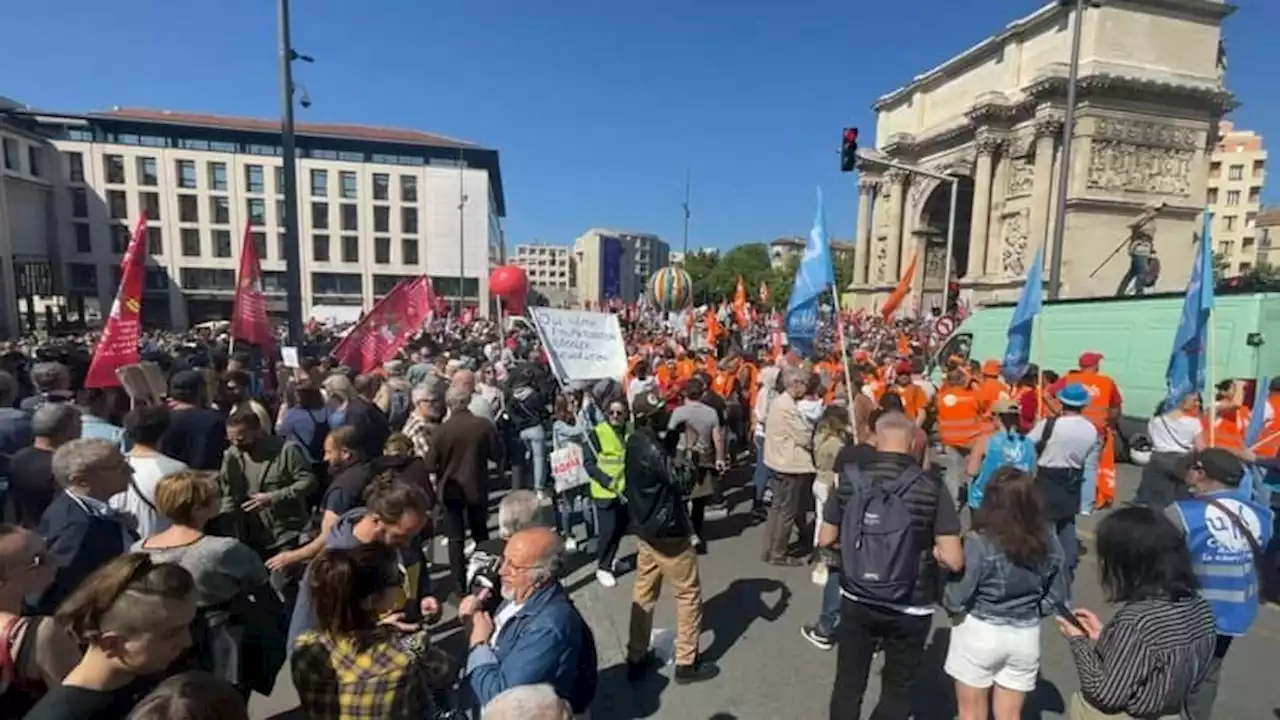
(1066, 532)
(572, 505)
(761, 477)
(534, 440)
(829, 617)
(1089, 491)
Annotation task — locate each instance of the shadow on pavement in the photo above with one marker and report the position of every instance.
(934, 684)
(294, 714)
(618, 699)
(730, 613)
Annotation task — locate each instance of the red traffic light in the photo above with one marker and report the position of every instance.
(851, 135)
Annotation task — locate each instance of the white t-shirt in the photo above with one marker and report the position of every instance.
(147, 471)
(1171, 434)
(1069, 446)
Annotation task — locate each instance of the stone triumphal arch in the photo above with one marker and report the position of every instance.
(1149, 97)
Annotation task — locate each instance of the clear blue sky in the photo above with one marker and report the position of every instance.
(597, 106)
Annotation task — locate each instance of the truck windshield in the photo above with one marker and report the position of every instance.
(957, 345)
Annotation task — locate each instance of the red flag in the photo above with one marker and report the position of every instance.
(118, 345)
(468, 315)
(388, 326)
(249, 315)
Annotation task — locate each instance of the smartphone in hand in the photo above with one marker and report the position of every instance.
(1061, 610)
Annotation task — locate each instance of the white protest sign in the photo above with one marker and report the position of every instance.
(582, 345)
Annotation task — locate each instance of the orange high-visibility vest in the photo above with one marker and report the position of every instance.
(1102, 391)
(1269, 442)
(1229, 431)
(959, 416)
(913, 398)
(991, 390)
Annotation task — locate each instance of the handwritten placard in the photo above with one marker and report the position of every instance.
(582, 345)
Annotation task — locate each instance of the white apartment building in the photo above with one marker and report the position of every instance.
(1237, 169)
(375, 206)
(548, 267)
(652, 254)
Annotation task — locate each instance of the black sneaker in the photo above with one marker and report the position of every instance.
(637, 669)
(816, 638)
(697, 672)
(785, 561)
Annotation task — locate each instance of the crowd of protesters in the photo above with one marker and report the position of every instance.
(169, 558)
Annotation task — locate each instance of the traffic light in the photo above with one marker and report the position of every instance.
(953, 296)
(849, 150)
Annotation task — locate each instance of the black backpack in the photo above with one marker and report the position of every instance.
(880, 550)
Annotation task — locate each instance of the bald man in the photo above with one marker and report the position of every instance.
(528, 702)
(537, 636)
(479, 405)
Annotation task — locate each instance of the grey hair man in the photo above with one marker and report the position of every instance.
(518, 510)
(528, 702)
(52, 382)
(55, 424)
(82, 530)
(544, 641)
(788, 454)
(479, 405)
(425, 413)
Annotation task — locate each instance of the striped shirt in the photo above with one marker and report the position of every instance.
(1148, 657)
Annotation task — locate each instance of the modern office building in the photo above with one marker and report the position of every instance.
(375, 205)
(1237, 168)
(547, 266)
(605, 262)
(652, 254)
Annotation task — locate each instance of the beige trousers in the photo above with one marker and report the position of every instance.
(1080, 709)
(676, 562)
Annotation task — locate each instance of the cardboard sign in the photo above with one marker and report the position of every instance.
(582, 345)
(568, 468)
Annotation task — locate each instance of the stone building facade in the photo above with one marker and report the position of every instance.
(1149, 98)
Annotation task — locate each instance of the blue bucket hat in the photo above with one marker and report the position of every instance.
(1074, 395)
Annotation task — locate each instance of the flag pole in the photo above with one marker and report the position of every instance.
(1213, 376)
(844, 354)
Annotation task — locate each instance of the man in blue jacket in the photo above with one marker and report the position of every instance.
(1226, 533)
(537, 635)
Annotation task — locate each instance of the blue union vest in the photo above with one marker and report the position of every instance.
(1222, 557)
(1003, 448)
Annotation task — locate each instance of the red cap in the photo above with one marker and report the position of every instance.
(1090, 359)
(903, 368)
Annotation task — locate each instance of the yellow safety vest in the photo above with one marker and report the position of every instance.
(611, 460)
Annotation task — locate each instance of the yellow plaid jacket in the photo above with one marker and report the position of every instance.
(375, 674)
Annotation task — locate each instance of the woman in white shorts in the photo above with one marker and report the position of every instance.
(1012, 578)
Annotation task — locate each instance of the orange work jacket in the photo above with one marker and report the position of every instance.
(1102, 393)
(959, 416)
(1230, 428)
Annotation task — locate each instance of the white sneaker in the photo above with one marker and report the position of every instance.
(696, 541)
(570, 545)
(444, 542)
(606, 578)
(469, 547)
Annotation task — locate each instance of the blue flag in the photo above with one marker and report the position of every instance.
(1189, 359)
(813, 277)
(1017, 351)
(1254, 475)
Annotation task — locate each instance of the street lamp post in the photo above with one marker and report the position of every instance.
(1068, 132)
(875, 158)
(462, 234)
(685, 207)
(288, 157)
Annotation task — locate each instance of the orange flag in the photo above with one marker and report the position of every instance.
(740, 304)
(900, 292)
(714, 329)
(1106, 490)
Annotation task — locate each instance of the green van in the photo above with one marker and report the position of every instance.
(1135, 337)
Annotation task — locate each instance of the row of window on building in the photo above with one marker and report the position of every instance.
(255, 210)
(191, 244)
(147, 175)
(1232, 197)
(83, 278)
(1234, 172)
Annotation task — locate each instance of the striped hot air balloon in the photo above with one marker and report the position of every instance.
(671, 289)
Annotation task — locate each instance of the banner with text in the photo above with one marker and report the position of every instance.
(582, 345)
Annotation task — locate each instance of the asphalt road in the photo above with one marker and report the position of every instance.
(752, 616)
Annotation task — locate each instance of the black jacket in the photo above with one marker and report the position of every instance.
(79, 544)
(654, 501)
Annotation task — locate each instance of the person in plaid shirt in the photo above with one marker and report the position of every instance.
(426, 415)
(363, 662)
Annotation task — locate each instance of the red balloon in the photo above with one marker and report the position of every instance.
(510, 284)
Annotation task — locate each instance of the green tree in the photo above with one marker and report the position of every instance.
(1221, 265)
(749, 262)
(699, 266)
